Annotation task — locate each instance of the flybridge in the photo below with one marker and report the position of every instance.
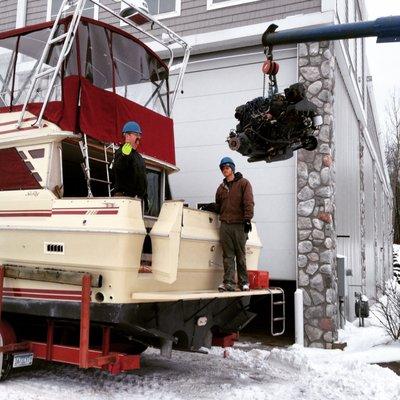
(74, 82)
(58, 42)
(89, 77)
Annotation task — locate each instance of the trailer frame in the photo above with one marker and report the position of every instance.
(82, 356)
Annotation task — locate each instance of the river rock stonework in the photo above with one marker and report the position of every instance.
(316, 237)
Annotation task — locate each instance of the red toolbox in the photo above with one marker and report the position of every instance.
(258, 279)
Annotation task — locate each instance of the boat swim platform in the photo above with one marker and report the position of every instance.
(146, 297)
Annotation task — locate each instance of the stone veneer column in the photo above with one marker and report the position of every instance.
(316, 236)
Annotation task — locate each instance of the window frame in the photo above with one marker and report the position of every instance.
(161, 171)
(50, 3)
(227, 3)
(169, 14)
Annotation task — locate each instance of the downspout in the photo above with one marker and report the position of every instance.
(298, 294)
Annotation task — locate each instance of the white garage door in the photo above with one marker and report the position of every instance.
(213, 87)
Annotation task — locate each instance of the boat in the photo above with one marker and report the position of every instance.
(67, 88)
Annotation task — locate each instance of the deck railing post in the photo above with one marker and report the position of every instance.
(85, 322)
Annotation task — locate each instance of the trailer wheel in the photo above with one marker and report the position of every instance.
(7, 336)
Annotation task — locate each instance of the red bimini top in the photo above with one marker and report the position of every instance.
(108, 78)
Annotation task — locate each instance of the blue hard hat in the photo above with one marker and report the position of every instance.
(227, 161)
(132, 126)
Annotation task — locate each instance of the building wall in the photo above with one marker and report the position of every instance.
(370, 249)
(194, 16)
(348, 194)
(36, 11)
(8, 14)
(216, 83)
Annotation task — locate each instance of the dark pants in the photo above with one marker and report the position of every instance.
(233, 241)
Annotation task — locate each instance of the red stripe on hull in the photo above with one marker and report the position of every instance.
(72, 212)
(59, 211)
(51, 291)
(25, 215)
(42, 296)
(86, 208)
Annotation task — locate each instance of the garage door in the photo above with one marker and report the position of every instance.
(213, 87)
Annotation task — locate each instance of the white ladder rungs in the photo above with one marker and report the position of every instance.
(59, 38)
(45, 72)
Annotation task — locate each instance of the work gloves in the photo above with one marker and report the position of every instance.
(247, 226)
(126, 149)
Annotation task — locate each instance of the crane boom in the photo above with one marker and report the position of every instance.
(386, 29)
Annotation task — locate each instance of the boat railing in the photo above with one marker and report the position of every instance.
(76, 8)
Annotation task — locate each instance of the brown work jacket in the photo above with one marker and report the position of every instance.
(234, 200)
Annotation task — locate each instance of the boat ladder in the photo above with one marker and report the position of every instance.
(278, 304)
(89, 158)
(74, 7)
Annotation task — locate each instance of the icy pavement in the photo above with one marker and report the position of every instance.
(248, 373)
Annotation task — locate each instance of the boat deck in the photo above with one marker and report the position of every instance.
(144, 297)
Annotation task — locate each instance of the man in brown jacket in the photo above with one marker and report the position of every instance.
(235, 205)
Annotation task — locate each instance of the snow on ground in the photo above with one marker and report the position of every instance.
(251, 371)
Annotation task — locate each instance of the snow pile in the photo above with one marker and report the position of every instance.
(386, 310)
(247, 374)
(359, 339)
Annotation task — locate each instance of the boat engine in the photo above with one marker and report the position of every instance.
(271, 129)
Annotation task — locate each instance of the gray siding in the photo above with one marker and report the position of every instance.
(195, 18)
(204, 115)
(36, 11)
(8, 14)
(347, 195)
(373, 132)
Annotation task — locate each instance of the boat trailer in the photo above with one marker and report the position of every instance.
(83, 356)
(15, 354)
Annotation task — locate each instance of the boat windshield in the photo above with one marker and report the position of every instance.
(104, 56)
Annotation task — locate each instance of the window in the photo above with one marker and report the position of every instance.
(90, 10)
(17, 68)
(214, 4)
(154, 192)
(161, 8)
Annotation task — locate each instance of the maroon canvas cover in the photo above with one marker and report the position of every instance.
(14, 174)
(103, 114)
(62, 113)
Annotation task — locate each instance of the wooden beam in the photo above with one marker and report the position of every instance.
(50, 275)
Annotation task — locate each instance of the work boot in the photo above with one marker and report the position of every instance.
(226, 287)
